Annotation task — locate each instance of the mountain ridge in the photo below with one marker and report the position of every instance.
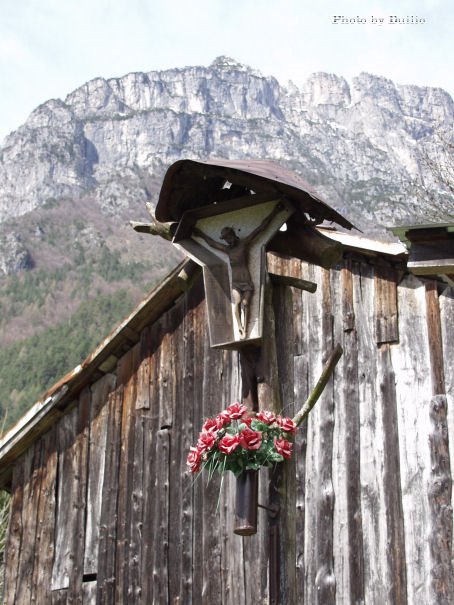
(329, 130)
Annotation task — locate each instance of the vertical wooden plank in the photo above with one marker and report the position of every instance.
(80, 453)
(302, 363)
(66, 488)
(96, 456)
(42, 571)
(301, 393)
(348, 540)
(346, 295)
(395, 558)
(381, 501)
(106, 578)
(440, 494)
(180, 539)
(411, 362)
(311, 328)
(71, 501)
(268, 554)
(140, 481)
(325, 580)
(15, 532)
(297, 298)
(373, 507)
(446, 302)
(29, 522)
(188, 423)
(166, 375)
(161, 482)
(162, 488)
(151, 473)
(143, 372)
(232, 565)
(136, 495)
(262, 565)
(136, 511)
(350, 376)
(211, 544)
(199, 485)
(126, 377)
(386, 314)
(72, 446)
(283, 309)
(343, 330)
(435, 338)
(320, 581)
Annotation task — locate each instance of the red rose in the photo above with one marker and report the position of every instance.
(212, 425)
(250, 440)
(228, 444)
(223, 419)
(236, 410)
(206, 441)
(283, 447)
(194, 459)
(286, 424)
(266, 417)
(247, 419)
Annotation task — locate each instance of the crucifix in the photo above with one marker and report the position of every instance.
(229, 244)
(237, 250)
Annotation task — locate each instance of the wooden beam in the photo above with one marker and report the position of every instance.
(320, 386)
(295, 282)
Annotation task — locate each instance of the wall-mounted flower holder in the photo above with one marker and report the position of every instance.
(242, 442)
(247, 484)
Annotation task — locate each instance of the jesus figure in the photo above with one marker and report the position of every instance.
(237, 250)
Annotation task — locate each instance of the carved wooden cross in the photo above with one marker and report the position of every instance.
(230, 246)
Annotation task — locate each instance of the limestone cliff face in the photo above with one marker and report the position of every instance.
(360, 144)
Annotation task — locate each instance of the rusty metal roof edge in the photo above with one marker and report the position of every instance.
(276, 174)
(62, 388)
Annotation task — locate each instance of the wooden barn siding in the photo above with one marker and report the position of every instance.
(104, 511)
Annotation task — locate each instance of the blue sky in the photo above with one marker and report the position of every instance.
(50, 47)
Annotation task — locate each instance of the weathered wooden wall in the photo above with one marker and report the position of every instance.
(104, 510)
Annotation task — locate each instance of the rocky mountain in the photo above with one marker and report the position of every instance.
(356, 142)
(73, 175)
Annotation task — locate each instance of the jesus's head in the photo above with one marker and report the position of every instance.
(228, 235)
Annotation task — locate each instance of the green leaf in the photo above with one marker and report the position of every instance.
(275, 457)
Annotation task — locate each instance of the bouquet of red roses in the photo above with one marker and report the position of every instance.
(237, 440)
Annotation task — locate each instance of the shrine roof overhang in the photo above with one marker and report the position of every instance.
(191, 184)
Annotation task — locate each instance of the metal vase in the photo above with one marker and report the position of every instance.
(247, 485)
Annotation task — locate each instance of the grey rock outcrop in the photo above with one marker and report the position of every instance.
(362, 145)
(14, 256)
